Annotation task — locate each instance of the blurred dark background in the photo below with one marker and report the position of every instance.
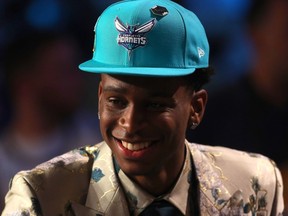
(44, 97)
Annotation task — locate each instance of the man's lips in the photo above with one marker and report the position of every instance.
(135, 146)
(136, 150)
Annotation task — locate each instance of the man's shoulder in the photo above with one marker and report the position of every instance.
(53, 184)
(73, 159)
(235, 164)
(225, 155)
(225, 174)
(67, 169)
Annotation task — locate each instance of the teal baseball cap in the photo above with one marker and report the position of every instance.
(148, 38)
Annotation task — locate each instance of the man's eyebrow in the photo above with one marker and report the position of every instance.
(112, 88)
(117, 89)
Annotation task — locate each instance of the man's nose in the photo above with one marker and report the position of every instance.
(133, 119)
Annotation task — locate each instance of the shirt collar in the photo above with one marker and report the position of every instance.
(138, 199)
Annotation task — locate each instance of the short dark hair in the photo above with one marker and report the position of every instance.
(199, 78)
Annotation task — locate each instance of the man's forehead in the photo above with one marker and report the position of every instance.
(135, 79)
(161, 85)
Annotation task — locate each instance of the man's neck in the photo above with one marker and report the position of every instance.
(162, 182)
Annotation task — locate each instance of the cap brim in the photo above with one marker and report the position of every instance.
(97, 67)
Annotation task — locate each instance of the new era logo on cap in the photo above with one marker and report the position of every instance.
(201, 52)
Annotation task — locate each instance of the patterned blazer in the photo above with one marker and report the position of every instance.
(83, 182)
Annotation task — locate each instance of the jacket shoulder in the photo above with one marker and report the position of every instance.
(226, 173)
(60, 180)
(228, 158)
(75, 161)
(241, 160)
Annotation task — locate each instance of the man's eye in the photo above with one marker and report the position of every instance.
(116, 102)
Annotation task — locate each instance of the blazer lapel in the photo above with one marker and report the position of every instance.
(118, 205)
(213, 192)
(105, 195)
(225, 192)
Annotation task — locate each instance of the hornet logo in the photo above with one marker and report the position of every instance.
(133, 36)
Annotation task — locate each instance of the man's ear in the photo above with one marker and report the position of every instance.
(198, 105)
(100, 89)
(99, 94)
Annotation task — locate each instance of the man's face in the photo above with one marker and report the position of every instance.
(143, 120)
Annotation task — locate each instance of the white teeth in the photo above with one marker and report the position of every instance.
(135, 146)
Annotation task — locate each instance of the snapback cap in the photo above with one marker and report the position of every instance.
(148, 38)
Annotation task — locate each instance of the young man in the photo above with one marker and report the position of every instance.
(153, 59)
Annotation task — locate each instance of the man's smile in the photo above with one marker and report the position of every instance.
(133, 145)
(136, 146)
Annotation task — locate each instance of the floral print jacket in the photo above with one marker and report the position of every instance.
(83, 182)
